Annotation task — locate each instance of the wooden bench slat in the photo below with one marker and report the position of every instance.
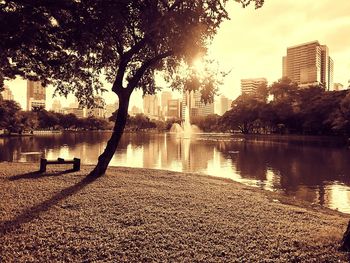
(44, 162)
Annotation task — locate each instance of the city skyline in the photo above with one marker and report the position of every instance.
(249, 51)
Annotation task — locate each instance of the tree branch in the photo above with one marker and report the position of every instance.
(116, 40)
(124, 60)
(146, 65)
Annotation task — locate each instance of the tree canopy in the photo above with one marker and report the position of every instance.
(294, 110)
(71, 43)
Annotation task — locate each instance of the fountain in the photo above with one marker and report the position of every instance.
(186, 129)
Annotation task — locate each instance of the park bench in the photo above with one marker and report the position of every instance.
(44, 162)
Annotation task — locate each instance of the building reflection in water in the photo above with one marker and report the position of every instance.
(315, 174)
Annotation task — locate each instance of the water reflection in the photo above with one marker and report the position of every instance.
(316, 174)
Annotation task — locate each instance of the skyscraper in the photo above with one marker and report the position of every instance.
(111, 108)
(225, 104)
(36, 95)
(196, 106)
(98, 110)
(151, 106)
(309, 64)
(56, 106)
(165, 97)
(174, 108)
(250, 86)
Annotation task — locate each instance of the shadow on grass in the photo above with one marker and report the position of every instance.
(35, 211)
(38, 174)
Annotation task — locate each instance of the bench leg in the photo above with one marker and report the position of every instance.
(43, 163)
(76, 164)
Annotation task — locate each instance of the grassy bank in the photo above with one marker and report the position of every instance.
(150, 215)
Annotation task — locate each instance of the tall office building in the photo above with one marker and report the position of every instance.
(56, 106)
(225, 105)
(99, 110)
(78, 112)
(309, 64)
(135, 110)
(36, 95)
(7, 94)
(330, 74)
(174, 108)
(151, 106)
(164, 98)
(250, 86)
(196, 106)
(111, 108)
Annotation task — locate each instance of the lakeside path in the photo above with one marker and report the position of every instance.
(143, 215)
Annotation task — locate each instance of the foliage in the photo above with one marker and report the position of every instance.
(9, 115)
(294, 110)
(15, 120)
(209, 123)
(140, 121)
(283, 89)
(29, 120)
(244, 114)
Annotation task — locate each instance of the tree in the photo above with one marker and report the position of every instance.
(29, 120)
(209, 123)
(244, 114)
(71, 43)
(68, 121)
(93, 123)
(47, 119)
(284, 89)
(9, 115)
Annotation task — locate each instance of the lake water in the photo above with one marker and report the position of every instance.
(315, 173)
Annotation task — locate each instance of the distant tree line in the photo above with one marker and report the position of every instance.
(293, 110)
(14, 120)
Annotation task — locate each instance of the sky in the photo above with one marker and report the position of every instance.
(252, 43)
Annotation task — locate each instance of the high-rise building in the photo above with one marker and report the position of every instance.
(111, 108)
(330, 74)
(174, 108)
(250, 86)
(151, 106)
(36, 95)
(164, 98)
(192, 100)
(79, 112)
(309, 64)
(97, 111)
(135, 110)
(7, 94)
(225, 105)
(56, 106)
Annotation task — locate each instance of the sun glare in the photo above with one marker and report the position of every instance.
(199, 66)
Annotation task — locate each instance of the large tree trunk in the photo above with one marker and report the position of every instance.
(106, 156)
(345, 242)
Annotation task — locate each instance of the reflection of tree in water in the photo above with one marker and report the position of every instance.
(135, 140)
(200, 153)
(302, 170)
(86, 145)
